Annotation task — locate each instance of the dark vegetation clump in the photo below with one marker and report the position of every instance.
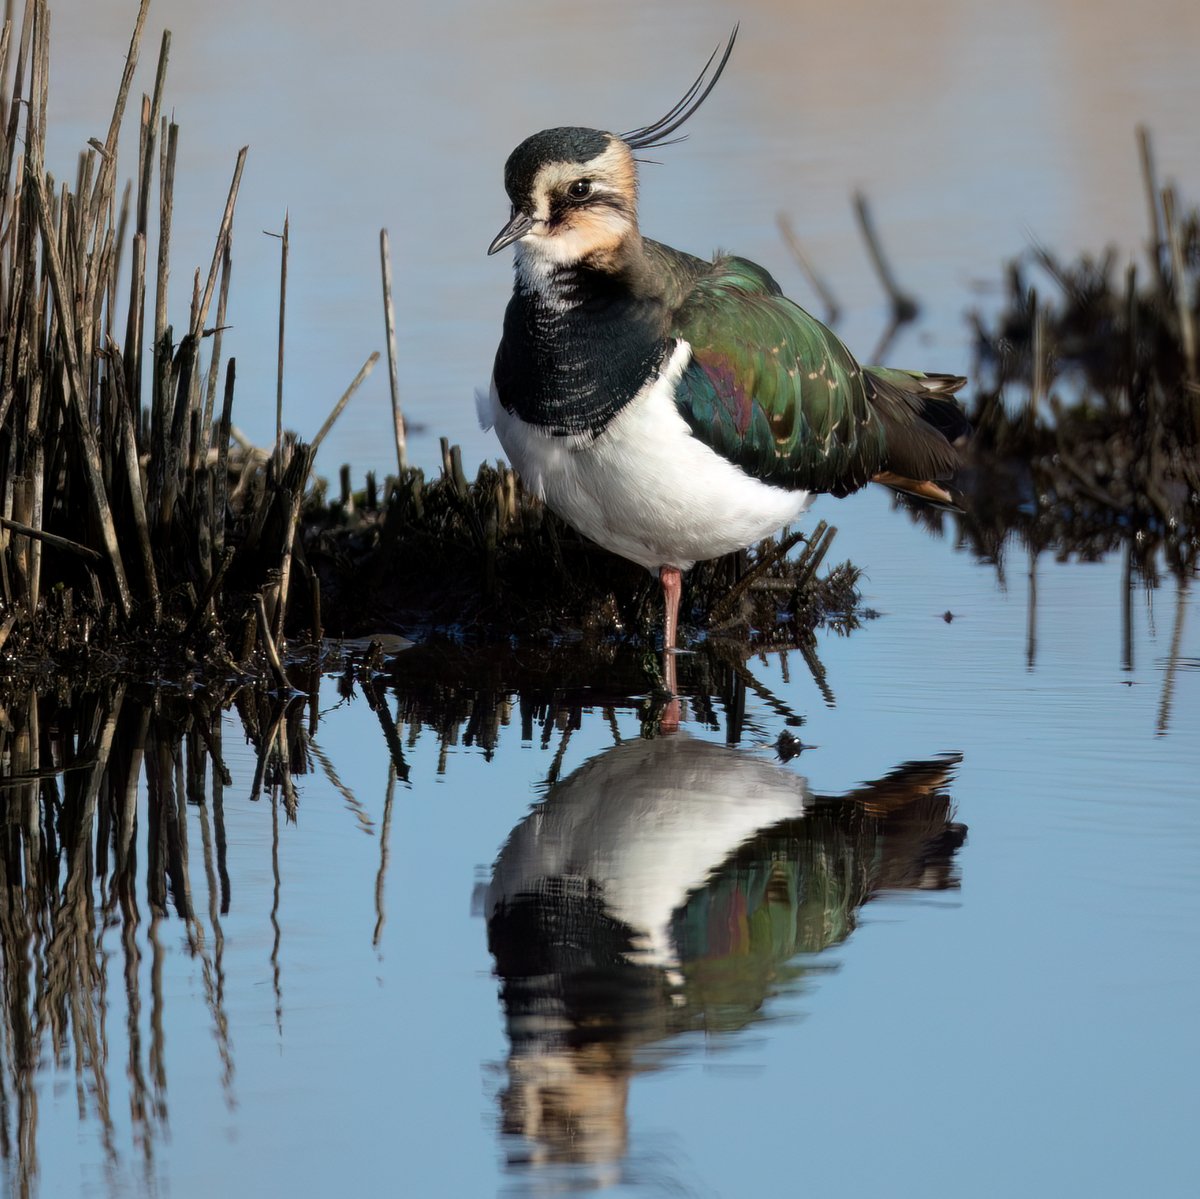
(485, 560)
(147, 538)
(1087, 414)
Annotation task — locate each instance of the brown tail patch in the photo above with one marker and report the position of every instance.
(922, 488)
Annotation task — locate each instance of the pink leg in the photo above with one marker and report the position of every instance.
(672, 583)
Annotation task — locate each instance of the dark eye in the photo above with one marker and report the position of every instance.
(580, 189)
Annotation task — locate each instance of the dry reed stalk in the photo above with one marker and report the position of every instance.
(62, 543)
(15, 106)
(136, 318)
(1150, 183)
(268, 641)
(366, 368)
(283, 266)
(290, 494)
(1179, 285)
(1037, 382)
(133, 479)
(220, 499)
(294, 481)
(389, 320)
(166, 204)
(70, 395)
(223, 236)
(210, 396)
(183, 456)
(151, 115)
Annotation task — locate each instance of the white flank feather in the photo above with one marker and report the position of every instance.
(646, 488)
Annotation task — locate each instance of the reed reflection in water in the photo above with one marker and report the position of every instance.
(667, 886)
(74, 765)
(671, 886)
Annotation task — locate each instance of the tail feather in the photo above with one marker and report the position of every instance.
(924, 429)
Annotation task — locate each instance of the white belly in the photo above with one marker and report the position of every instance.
(646, 488)
(649, 822)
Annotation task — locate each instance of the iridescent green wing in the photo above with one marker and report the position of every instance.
(770, 388)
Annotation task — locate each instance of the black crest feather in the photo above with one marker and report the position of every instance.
(658, 133)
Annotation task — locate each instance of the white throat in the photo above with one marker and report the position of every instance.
(537, 272)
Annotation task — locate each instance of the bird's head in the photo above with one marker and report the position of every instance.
(573, 193)
(574, 190)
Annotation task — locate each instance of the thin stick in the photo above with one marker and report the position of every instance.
(389, 319)
(832, 309)
(114, 271)
(62, 543)
(215, 360)
(264, 632)
(1037, 381)
(108, 153)
(14, 109)
(814, 555)
(136, 317)
(219, 253)
(283, 265)
(904, 307)
(166, 203)
(222, 481)
(296, 473)
(135, 41)
(206, 596)
(7, 627)
(1187, 329)
(723, 609)
(150, 129)
(1150, 181)
(367, 368)
(125, 419)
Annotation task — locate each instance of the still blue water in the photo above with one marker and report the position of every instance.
(843, 1008)
(916, 1015)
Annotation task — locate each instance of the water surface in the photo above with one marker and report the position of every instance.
(959, 920)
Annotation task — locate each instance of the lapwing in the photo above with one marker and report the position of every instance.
(671, 408)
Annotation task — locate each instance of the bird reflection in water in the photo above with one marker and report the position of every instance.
(675, 885)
